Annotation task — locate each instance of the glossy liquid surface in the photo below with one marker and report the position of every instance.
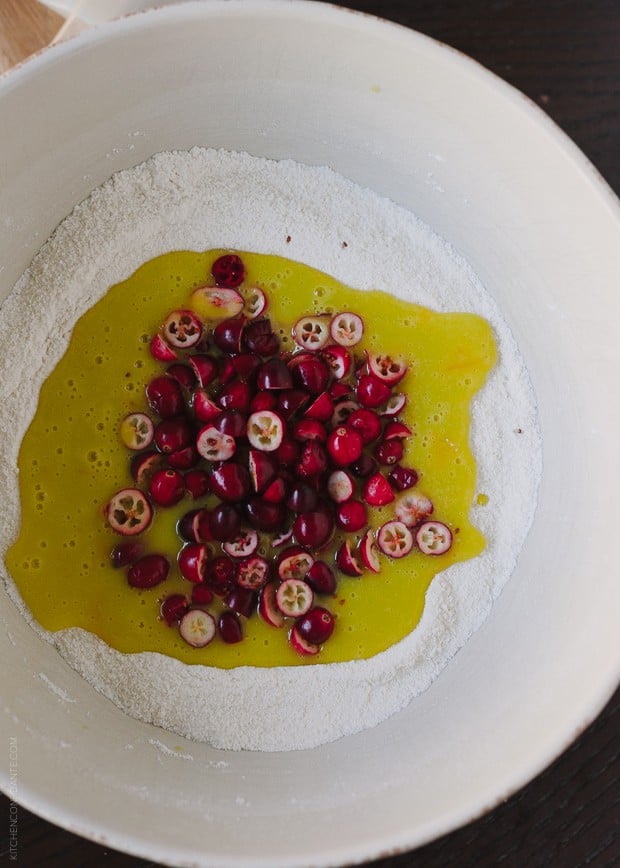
(72, 461)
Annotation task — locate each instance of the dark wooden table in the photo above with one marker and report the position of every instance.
(565, 55)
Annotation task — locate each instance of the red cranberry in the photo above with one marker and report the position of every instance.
(344, 446)
(197, 483)
(173, 434)
(313, 528)
(126, 553)
(316, 626)
(351, 515)
(263, 401)
(260, 337)
(167, 487)
(230, 628)
(185, 458)
(228, 334)
(173, 608)
(236, 395)
(311, 373)
(313, 460)
(302, 498)
(230, 482)
(183, 374)
(205, 368)
(371, 392)
(165, 397)
(402, 478)
(264, 516)
(224, 522)
(274, 374)
(202, 595)
(220, 572)
(367, 424)
(186, 525)
(228, 271)
(321, 578)
(242, 601)
(148, 571)
(389, 452)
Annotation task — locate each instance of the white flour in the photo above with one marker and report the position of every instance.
(202, 199)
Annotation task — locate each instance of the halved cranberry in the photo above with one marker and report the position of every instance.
(230, 482)
(144, 465)
(136, 431)
(351, 515)
(274, 374)
(294, 598)
(264, 516)
(302, 497)
(263, 401)
(231, 422)
(282, 538)
(395, 539)
(310, 373)
(197, 628)
(369, 551)
(313, 528)
(185, 458)
(347, 329)
(267, 606)
(377, 490)
(202, 595)
(340, 390)
(205, 409)
(340, 486)
(346, 561)
(313, 459)
(165, 397)
(202, 526)
(321, 408)
(235, 395)
(253, 572)
(241, 600)
(228, 270)
(367, 423)
(338, 359)
(389, 369)
(126, 553)
(215, 446)
(172, 608)
(186, 526)
(365, 466)
(344, 446)
(148, 571)
(205, 368)
(371, 392)
(243, 545)
(263, 468)
(228, 334)
(265, 430)
(412, 507)
(396, 429)
(291, 401)
(161, 351)
(220, 572)
(389, 451)
(182, 329)
(245, 365)
(299, 644)
(183, 374)
(224, 522)
(260, 337)
(394, 405)
(167, 487)
(433, 538)
(311, 332)
(230, 628)
(287, 452)
(197, 483)
(321, 578)
(255, 302)
(129, 512)
(192, 560)
(316, 626)
(294, 562)
(173, 434)
(276, 491)
(402, 478)
(309, 429)
(342, 410)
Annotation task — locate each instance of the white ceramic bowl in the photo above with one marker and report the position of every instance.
(413, 120)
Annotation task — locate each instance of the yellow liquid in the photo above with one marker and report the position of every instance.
(72, 461)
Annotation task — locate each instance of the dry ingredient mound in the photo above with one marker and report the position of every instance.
(204, 199)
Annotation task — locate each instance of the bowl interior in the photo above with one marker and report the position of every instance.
(415, 121)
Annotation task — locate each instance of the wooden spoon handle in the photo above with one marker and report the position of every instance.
(25, 27)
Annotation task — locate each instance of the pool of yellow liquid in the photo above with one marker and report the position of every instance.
(72, 461)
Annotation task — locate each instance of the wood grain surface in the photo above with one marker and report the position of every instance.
(565, 55)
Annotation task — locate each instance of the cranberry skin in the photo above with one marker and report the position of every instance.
(402, 478)
(185, 458)
(367, 424)
(231, 422)
(321, 578)
(310, 429)
(220, 572)
(389, 452)
(183, 374)
(245, 365)
(263, 401)
(192, 560)
(260, 337)
(243, 601)
(287, 452)
(230, 628)
(313, 528)
(291, 401)
(302, 498)
(149, 571)
(371, 392)
(228, 271)
(316, 626)
(312, 374)
(204, 367)
(264, 516)
(197, 483)
(202, 595)
(274, 374)
(344, 446)
(230, 482)
(166, 487)
(235, 395)
(313, 460)
(224, 522)
(125, 554)
(351, 515)
(228, 334)
(173, 434)
(165, 397)
(144, 465)
(364, 466)
(173, 608)
(186, 526)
